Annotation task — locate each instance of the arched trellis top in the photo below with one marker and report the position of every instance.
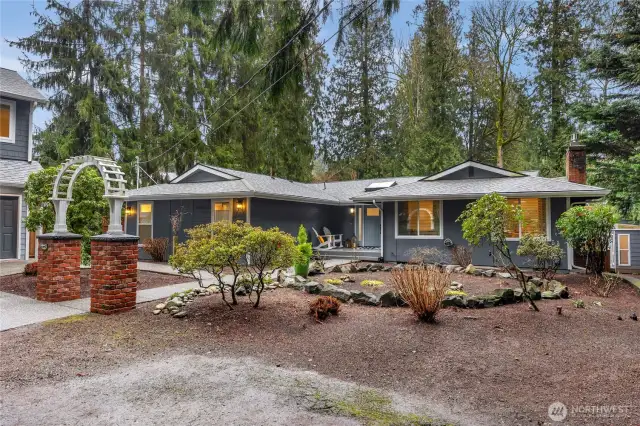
(114, 189)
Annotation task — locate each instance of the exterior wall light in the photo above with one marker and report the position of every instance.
(352, 210)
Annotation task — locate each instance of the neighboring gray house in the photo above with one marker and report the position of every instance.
(624, 253)
(18, 99)
(387, 217)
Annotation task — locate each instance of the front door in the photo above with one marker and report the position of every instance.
(372, 226)
(9, 227)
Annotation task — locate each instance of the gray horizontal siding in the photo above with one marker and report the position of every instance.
(18, 150)
(397, 249)
(634, 239)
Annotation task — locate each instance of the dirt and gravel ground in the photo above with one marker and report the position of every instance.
(275, 365)
(22, 285)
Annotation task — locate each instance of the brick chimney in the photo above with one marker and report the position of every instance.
(576, 162)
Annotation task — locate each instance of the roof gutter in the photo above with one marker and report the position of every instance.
(597, 194)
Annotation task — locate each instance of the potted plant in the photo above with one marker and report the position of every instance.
(303, 253)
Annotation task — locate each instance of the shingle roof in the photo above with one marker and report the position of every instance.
(349, 192)
(15, 172)
(12, 85)
(477, 187)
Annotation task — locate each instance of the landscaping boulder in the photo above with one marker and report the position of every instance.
(364, 267)
(313, 287)
(455, 285)
(450, 268)
(470, 269)
(337, 292)
(241, 290)
(391, 299)
(387, 268)
(504, 275)
(490, 300)
(457, 301)
(549, 295)
(300, 279)
(536, 280)
(489, 273)
(474, 302)
(376, 267)
(506, 295)
(518, 294)
(180, 314)
(364, 298)
(175, 302)
(533, 291)
(347, 279)
(315, 269)
(559, 289)
(288, 282)
(337, 268)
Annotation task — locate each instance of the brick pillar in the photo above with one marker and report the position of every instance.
(114, 273)
(58, 267)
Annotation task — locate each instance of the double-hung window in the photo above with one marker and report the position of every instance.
(417, 219)
(7, 121)
(145, 221)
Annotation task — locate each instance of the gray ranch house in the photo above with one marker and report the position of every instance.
(380, 219)
(18, 99)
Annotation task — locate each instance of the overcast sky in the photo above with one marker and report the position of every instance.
(16, 21)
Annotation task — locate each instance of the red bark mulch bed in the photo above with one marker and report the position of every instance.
(23, 285)
(508, 363)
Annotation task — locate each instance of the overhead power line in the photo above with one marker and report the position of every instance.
(262, 68)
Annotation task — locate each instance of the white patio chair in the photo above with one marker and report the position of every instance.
(327, 241)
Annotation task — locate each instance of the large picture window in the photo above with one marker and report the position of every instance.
(145, 221)
(7, 121)
(534, 213)
(419, 218)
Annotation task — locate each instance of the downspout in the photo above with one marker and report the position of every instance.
(381, 229)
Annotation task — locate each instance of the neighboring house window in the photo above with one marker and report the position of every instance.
(534, 212)
(419, 218)
(221, 211)
(7, 121)
(624, 250)
(145, 221)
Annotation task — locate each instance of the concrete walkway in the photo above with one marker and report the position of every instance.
(10, 267)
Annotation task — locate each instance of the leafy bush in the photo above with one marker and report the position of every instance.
(603, 285)
(333, 281)
(212, 247)
(304, 251)
(486, 221)
(267, 250)
(547, 255)
(156, 248)
(323, 306)
(372, 283)
(588, 229)
(578, 303)
(423, 288)
(462, 255)
(31, 269)
(426, 255)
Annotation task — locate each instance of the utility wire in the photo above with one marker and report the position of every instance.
(293, 67)
(250, 79)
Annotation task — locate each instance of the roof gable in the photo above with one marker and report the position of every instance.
(202, 173)
(12, 85)
(472, 170)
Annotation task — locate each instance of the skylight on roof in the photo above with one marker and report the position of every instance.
(380, 185)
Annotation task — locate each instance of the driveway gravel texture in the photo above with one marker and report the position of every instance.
(368, 365)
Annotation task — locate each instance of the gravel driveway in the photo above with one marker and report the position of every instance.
(201, 390)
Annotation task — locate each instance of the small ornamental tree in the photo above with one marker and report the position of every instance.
(304, 251)
(588, 229)
(211, 248)
(267, 250)
(546, 254)
(487, 220)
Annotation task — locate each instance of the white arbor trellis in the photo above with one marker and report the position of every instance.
(114, 189)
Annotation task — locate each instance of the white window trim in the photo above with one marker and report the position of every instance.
(12, 121)
(629, 249)
(153, 209)
(224, 200)
(422, 237)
